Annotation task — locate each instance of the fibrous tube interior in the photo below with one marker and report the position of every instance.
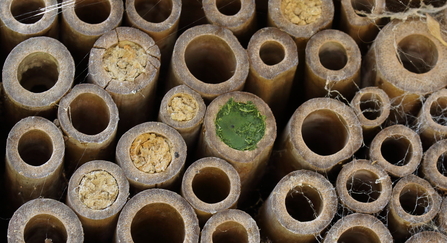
(417, 53)
(230, 232)
(98, 189)
(362, 186)
(324, 132)
(45, 228)
(397, 150)
(154, 11)
(228, 7)
(304, 203)
(211, 185)
(371, 106)
(271, 52)
(38, 72)
(151, 152)
(333, 55)
(438, 111)
(27, 12)
(210, 59)
(359, 234)
(441, 165)
(35, 147)
(159, 222)
(362, 7)
(182, 107)
(89, 114)
(415, 199)
(92, 11)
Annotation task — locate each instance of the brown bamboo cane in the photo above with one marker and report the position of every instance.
(433, 167)
(427, 236)
(441, 220)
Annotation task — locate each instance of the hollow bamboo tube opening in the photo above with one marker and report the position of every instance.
(211, 185)
(209, 60)
(398, 149)
(434, 165)
(159, 215)
(45, 220)
(37, 74)
(231, 225)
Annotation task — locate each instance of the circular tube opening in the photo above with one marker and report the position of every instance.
(359, 234)
(417, 53)
(35, 147)
(415, 200)
(230, 232)
(89, 114)
(154, 11)
(158, 222)
(441, 165)
(92, 11)
(28, 12)
(397, 150)
(38, 72)
(362, 186)
(45, 228)
(363, 7)
(324, 132)
(211, 185)
(371, 106)
(304, 203)
(210, 59)
(272, 53)
(228, 7)
(438, 111)
(333, 55)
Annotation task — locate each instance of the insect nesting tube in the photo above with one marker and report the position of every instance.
(434, 166)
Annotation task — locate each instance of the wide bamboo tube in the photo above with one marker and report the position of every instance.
(427, 236)
(434, 167)
(159, 215)
(45, 220)
(441, 220)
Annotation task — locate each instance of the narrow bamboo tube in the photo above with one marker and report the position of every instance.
(363, 187)
(45, 220)
(20, 20)
(299, 208)
(159, 215)
(427, 236)
(397, 149)
(231, 225)
(34, 161)
(273, 60)
(441, 220)
(209, 60)
(211, 185)
(183, 109)
(126, 62)
(434, 167)
(88, 118)
(358, 227)
(151, 154)
(414, 203)
(37, 74)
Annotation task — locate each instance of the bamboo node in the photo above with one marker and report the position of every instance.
(151, 153)
(182, 107)
(98, 189)
(302, 12)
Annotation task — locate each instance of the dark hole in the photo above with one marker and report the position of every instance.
(228, 7)
(333, 56)
(404, 5)
(304, 203)
(45, 227)
(362, 186)
(359, 234)
(230, 232)
(417, 53)
(370, 106)
(38, 72)
(397, 150)
(415, 200)
(89, 114)
(154, 11)
(92, 11)
(35, 147)
(442, 164)
(28, 12)
(211, 185)
(271, 53)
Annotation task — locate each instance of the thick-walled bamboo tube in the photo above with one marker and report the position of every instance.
(273, 61)
(20, 20)
(125, 62)
(97, 192)
(358, 228)
(427, 236)
(434, 165)
(151, 154)
(159, 215)
(183, 109)
(88, 117)
(36, 74)
(299, 208)
(397, 149)
(363, 187)
(414, 203)
(45, 220)
(332, 65)
(211, 185)
(209, 60)
(231, 225)
(441, 220)
(34, 161)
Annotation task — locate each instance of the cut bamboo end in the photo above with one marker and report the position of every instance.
(442, 217)
(151, 155)
(433, 166)
(183, 109)
(398, 149)
(363, 187)
(427, 236)
(209, 60)
(358, 228)
(431, 119)
(45, 220)
(97, 192)
(159, 215)
(37, 74)
(88, 117)
(299, 208)
(231, 225)
(211, 185)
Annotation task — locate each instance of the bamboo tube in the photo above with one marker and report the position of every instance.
(88, 118)
(183, 109)
(397, 149)
(151, 155)
(414, 203)
(363, 187)
(441, 220)
(427, 236)
(358, 227)
(159, 215)
(211, 185)
(45, 220)
(34, 161)
(36, 74)
(125, 62)
(433, 166)
(209, 60)
(231, 225)
(299, 208)
(273, 60)
(20, 20)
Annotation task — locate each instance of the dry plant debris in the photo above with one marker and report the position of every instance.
(151, 153)
(182, 107)
(98, 189)
(302, 12)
